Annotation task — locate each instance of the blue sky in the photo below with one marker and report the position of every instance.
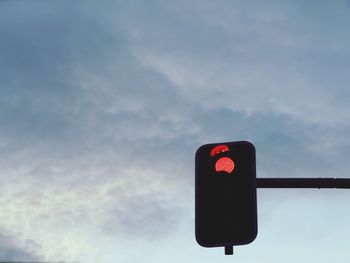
(103, 104)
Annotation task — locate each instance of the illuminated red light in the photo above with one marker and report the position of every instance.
(224, 164)
(219, 149)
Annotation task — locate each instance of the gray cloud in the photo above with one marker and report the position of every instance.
(103, 105)
(13, 248)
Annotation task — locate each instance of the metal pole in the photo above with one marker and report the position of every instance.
(339, 183)
(228, 250)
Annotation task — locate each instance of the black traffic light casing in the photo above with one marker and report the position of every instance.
(225, 193)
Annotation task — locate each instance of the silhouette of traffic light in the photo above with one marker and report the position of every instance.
(225, 206)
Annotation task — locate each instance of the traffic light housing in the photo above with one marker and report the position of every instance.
(225, 193)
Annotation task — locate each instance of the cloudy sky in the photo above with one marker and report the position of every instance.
(103, 104)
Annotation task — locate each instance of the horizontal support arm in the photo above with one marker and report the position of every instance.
(341, 183)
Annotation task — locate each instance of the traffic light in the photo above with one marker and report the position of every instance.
(225, 193)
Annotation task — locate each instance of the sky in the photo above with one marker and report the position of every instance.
(104, 103)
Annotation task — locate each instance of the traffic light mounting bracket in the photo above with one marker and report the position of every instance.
(338, 183)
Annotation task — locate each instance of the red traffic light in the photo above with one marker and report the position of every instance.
(219, 149)
(224, 164)
(225, 206)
